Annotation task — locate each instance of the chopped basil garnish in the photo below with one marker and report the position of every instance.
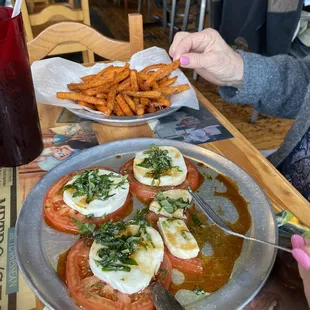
(118, 245)
(159, 161)
(162, 274)
(96, 285)
(199, 291)
(208, 176)
(197, 221)
(85, 229)
(94, 186)
(89, 216)
(184, 234)
(139, 218)
(171, 205)
(122, 182)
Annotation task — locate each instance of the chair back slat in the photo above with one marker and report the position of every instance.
(58, 34)
(51, 14)
(53, 10)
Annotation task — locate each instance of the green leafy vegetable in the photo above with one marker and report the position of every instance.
(85, 229)
(208, 176)
(91, 184)
(96, 285)
(159, 161)
(171, 205)
(166, 206)
(199, 291)
(162, 274)
(139, 218)
(122, 182)
(89, 216)
(184, 234)
(118, 246)
(197, 221)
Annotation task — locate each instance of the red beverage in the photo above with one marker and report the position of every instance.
(20, 133)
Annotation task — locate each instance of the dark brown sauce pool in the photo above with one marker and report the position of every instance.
(227, 249)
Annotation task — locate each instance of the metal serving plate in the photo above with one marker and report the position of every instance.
(38, 245)
(123, 120)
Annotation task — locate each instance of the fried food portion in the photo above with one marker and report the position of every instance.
(121, 91)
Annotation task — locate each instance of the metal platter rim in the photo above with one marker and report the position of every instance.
(123, 120)
(40, 188)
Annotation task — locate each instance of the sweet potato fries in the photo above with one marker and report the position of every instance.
(122, 91)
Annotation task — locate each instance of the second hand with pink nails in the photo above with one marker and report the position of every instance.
(299, 254)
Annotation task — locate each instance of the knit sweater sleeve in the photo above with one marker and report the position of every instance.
(272, 85)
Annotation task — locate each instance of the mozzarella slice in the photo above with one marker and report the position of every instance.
(178, 239)
(149, 260)
(176, 177)
(173, 194)
(98, 207)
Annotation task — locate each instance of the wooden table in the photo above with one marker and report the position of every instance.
(282, 194)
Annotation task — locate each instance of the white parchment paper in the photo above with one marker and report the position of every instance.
(53, 75)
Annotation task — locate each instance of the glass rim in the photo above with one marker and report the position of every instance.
(10, 18)
(15, 24)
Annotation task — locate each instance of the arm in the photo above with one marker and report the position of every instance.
(273, 85)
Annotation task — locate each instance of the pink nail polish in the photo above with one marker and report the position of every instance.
(297, 241)
(302, 258)
(184, 60)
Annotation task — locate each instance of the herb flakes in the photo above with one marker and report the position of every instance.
(197, 221)
(208, 176)
(162, 274)
(118, 246)
(91, 184)
(171, 205)
(199, 291)
(159, 161)
(85, 229)
(139, 218)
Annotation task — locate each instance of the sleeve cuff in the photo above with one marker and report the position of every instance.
(255, 83)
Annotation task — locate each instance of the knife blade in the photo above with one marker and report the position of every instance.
(162, 299)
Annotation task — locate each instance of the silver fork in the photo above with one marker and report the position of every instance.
(221, 224)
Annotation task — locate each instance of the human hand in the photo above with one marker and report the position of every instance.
(301, 252)
(210, 56)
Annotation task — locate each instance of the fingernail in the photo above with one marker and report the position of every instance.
(297, 241)
(302, 258)
(184, 60)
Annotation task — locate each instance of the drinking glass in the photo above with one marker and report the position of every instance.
(20, 132)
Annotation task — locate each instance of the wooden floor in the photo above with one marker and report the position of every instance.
(267, 133)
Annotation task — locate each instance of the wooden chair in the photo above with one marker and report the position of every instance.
(73, 33)
(55, 13)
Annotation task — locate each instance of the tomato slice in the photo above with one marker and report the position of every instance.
(93, 294)
(146, 193)
(191, 266)
(59, 215)
(152, 218)
(164, 273)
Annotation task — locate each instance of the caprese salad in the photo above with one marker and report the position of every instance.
(113, 266)
(159, 168)
(91, 196)
(114, 262)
